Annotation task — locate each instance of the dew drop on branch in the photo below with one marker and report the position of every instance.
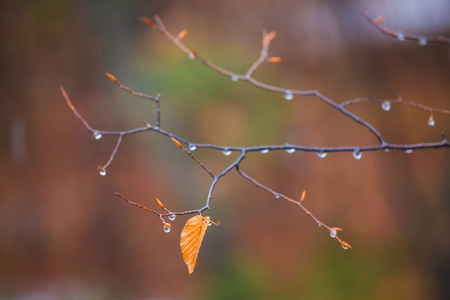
(291, 150)
(264, 150)
(234, 78)
(400, 36)
(192, 147)
(408, 151)
(422, 41)
(431, 121)
(333, 233)
(322, 154)
(344, 247)
(102, 172)
(227, 152)
(191, 56)
(357, 154)
(288, 96)
(97, 135)
(277, 196)
(172, 217)
(386, 105)
(166, 229)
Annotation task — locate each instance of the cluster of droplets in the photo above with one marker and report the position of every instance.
(357, 154)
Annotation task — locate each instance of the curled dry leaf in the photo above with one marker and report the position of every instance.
(191, 239)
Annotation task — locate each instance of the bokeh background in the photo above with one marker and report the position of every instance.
(65, 235)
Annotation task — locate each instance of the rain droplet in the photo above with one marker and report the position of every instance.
(408, 151)
(209, 224)
(320, 225)
(386, 105)
(97, 135)
(264, 150)
(344, 247)
(192, 147)
(431, 121)
(227, 152)
(102, 172)
(277, 196)
(191, 55)
(401, 36)
(291, 150)
(234, 78)
(423, 41)
(333, 233)
(288, 96)
(322, 154)
(172, 217)
(166, 229)
(357, 154)
(386, 150)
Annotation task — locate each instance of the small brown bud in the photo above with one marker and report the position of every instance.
(274, 59)
(160, 203)
(177, 143)
(146, 20)
(111, 77)
(379, 20)
(182, 34)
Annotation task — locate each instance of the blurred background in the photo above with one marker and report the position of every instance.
(65, 235)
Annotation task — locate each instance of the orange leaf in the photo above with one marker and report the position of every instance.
(191, 239)
(182, 34)
(111, 77)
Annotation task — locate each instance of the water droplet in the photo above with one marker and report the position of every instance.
(333, 233)
(431, 121)
(234, 78)
(291, 150)
(408, 151)
(423, 41)
(191, 55)
(401, 36)
(227, 152)
(288, 96)
(264, 150)
(386, 105)
(192, 147)
(209, 224)
(97, 135)
(277, 196)
(344, 247)
(166, 229)
(322, 154)
(320, 225)
(386, 150)
(357, 154)
(172, 217)
(102, 172)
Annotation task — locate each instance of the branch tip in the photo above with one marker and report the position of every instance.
(111, 77)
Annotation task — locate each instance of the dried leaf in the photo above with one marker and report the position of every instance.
(191, 239)
(177, 143)
(274, 59)
(111, 77)
(182, 34)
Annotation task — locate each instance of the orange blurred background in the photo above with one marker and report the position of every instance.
(65, 235)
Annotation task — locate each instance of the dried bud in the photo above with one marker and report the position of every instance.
(274, 59)
(99, 167)
(182, 34)
(146, 20)
(167, 225)
(336, 229)
(160, 203)
(379, 19)
(269, 37)
(345, 245)
(216, 223)
(177, 143)
(303, 196)
(111, 77)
